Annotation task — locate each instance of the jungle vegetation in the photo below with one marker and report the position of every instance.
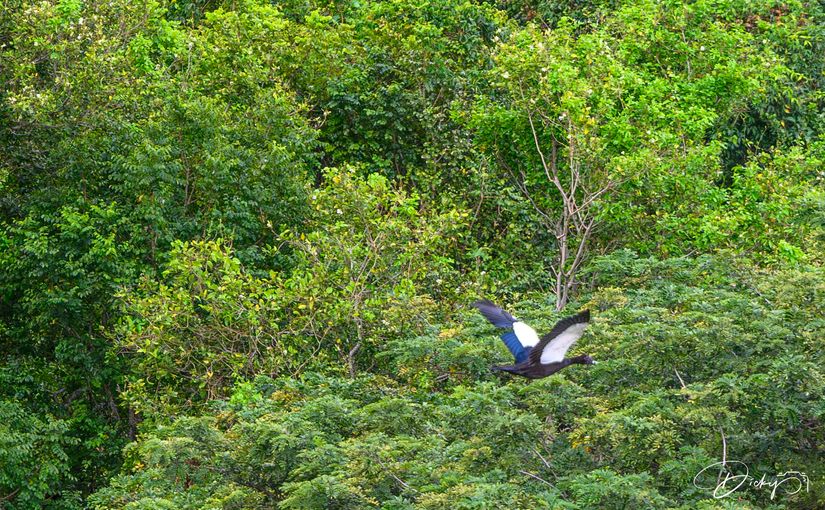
(239, 239)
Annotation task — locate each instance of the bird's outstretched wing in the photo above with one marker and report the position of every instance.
(520, 340)
(554, 345)
(518, 351)
(497, 317)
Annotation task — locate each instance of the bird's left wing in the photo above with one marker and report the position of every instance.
(554, 345)
(515, 347)
(497, 316)
(520, 340)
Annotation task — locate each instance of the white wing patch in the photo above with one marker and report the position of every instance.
(525, 334)
(557, 348)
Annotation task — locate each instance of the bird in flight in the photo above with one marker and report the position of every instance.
(537, 358)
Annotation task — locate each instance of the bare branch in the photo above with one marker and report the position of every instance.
(531, 475)
(525, 192)
(724, 454)
(393, 476)
(351, 359)
(681, 381)
(555, 178)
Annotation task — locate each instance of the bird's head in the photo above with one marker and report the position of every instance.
(589, 361)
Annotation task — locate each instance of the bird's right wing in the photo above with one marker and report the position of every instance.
(554, 345)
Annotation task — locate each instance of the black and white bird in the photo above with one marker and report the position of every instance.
(537, 358)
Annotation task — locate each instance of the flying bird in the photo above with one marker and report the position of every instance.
(537, 358)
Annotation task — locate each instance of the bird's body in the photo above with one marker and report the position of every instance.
(538, 370)
(537, 357)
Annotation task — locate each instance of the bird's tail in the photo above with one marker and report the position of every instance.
(504, 368)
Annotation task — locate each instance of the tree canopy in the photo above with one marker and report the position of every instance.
(238, 241)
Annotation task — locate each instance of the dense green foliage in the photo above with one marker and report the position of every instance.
(438, 430)
(238, 240)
